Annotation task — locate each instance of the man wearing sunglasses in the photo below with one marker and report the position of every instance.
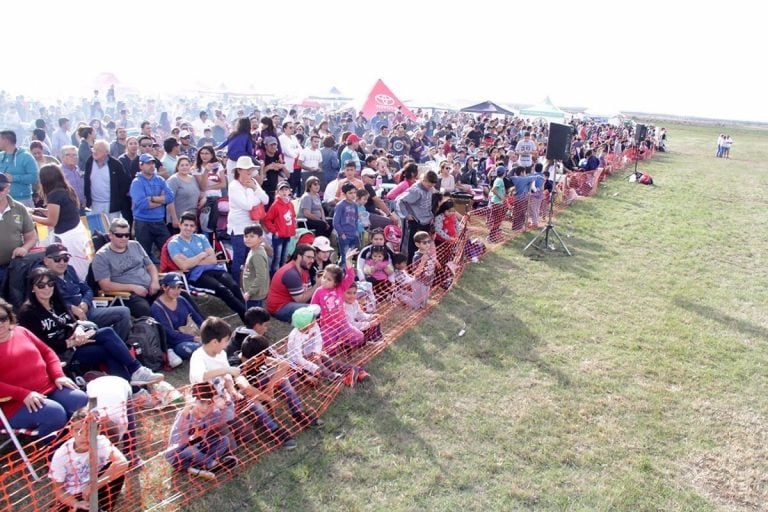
(78, 296)
(17, 231)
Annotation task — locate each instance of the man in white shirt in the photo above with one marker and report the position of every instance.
(525, 149)
(311, 158)
(291, 151)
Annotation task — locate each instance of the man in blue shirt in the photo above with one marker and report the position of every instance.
(193, 254)
(150, 194)
(19, 167)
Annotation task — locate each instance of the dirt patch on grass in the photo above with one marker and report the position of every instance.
(734, 474)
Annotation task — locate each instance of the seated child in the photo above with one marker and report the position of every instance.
(377, 268)
(305, 350)
(368, 323)
(209, 363)
(267, 371)
(199, 443)
(70, 468)
(337, 332)
(402, 282)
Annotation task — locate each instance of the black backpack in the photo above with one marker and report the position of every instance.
(147, 338)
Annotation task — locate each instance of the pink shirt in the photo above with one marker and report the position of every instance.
(331, 302)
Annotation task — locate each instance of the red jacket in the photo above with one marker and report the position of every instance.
(26, 364)
(281, 219)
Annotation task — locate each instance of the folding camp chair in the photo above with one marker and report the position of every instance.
(12, 437)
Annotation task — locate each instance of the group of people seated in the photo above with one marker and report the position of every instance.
(391, 220)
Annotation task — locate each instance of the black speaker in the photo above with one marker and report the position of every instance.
(640, 133)
(559, 144)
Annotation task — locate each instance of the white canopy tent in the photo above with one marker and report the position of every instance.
(546, 110)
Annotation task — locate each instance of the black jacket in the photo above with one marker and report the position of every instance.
(54, 329)
(119, 184)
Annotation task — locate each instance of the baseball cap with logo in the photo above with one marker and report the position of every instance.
(146, 158)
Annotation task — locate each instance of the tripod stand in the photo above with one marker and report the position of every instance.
(541, 241)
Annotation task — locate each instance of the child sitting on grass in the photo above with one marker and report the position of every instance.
(199, 443)
(209, 364)
(368, 323)
(267, 371)
(305, 350)
(336, 330)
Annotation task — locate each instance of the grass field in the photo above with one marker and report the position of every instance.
(631, 376)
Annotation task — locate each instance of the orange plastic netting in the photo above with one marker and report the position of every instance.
(154, 484)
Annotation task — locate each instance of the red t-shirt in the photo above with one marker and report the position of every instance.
(26, 364)
(287, 282)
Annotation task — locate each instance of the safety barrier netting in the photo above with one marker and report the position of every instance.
(152, 483)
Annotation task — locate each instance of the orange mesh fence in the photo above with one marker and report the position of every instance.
(282, 400)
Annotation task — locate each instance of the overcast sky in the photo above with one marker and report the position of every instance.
(704, 59)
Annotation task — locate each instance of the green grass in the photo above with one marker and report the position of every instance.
(630, 376)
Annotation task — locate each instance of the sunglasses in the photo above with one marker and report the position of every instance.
(47, 284)
(121, 235)
(146, 145)
(4, 318)
(59, 259)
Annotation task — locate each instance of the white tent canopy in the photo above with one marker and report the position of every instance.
(546, 110)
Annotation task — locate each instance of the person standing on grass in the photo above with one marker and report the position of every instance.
(255, 276)
(281, 222)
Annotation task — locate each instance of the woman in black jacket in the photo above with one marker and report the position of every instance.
(45, 314)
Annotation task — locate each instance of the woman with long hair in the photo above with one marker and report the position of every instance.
(267, 129)
(211, 178)
(239, 143)
(62, 213)
(45, 315)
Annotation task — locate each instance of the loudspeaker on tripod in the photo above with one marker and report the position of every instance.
(640, 133)
(559, 143)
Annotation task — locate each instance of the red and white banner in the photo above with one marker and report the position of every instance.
(381, 99)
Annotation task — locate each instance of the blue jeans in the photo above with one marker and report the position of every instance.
(107, 348)
(285, 313)
(116, 317)
(280, 247)
(202, 455)
(239, 253)
(148, 233)
(56, 411)
(344, 245)
(184, 349)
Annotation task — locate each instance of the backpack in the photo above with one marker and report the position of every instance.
(147, 338)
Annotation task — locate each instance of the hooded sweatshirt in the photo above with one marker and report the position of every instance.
(23, 168)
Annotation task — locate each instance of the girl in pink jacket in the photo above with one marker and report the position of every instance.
(334, 326)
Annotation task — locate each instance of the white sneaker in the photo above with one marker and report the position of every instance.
(166, 394)
(144, 376)
(173, 359)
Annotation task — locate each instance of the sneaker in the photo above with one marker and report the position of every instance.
(144, 400)
(290, 444)
(166, 394)
(363, 376)
(334, 376)
(144, 376)
(319, 422)
(173, 359)
(202, 473)
(350, 378)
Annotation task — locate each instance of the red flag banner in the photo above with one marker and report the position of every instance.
(381, 99)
